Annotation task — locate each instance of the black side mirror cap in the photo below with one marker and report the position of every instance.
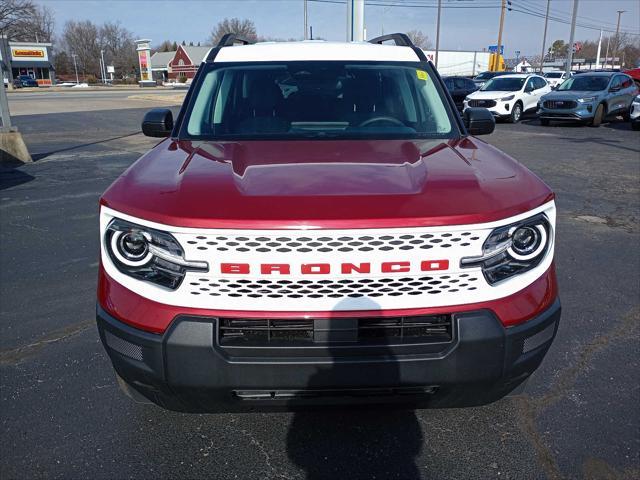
(157, 123)
(479, 121)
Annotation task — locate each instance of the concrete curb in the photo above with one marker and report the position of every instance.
(13, 149)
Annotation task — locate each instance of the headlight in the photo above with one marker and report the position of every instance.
(506, 99)
(513, 249)
(586, 99)
(148, 254)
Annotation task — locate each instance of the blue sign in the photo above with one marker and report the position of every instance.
(494, 49)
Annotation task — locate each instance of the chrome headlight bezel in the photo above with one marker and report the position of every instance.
(163, 262)
(500, 260)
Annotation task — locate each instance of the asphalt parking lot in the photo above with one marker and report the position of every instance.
(62, 415)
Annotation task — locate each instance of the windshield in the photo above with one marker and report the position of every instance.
(553, 75)
(501, 84)
(485, 76)
(583, 83)
(317, 100)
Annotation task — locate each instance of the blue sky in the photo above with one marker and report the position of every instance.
(461, 28)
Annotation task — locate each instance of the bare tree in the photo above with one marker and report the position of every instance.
(119, 48)
(419, 39)
(243, 28)
(13, 12)
(81, 38)
(22, 20)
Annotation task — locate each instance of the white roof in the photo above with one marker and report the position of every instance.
(518, 75)
(315, 50)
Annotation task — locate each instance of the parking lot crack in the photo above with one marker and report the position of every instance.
(529, 408)
(16, 355)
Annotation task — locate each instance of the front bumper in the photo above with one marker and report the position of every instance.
(186, 368)
(579, 114)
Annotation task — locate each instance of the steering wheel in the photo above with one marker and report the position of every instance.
(392, 120)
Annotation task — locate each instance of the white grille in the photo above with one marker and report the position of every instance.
(415, 284)
(335, 288)
(327, 244)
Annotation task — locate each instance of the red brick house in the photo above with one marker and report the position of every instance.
(186, 61)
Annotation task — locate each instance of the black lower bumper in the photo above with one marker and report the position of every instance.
(186, 369)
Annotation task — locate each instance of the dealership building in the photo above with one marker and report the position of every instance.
(27, 58)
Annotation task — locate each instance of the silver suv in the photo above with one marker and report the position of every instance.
(589, 98)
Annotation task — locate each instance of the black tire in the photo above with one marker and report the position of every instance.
(516, 113)
(626, 116)
(544, 122)
(598, 116)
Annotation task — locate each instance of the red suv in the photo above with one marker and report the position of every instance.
(320, 227)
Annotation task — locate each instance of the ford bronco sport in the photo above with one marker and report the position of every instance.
(319, 226)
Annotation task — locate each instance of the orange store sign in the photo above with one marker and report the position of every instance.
(22, 53)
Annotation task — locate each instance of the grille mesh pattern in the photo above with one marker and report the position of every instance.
(334, 288)
(124, 347)
(553, 104)
(326, 244)
(482, 103)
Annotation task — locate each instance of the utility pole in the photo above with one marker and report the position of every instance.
(75, 67)
(503, 9)
(572, 36)
(544, 35)
(617, 46)
(438, 33)
(306, 20)
(104, 68)
(599, 49)
(606, 55)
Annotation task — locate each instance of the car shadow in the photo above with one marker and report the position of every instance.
(10, 175)
(356, 442)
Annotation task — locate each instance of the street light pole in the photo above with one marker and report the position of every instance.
(544, 36)
(617, 46)
(572, 36)
(104, 68)
(75, 67)
(306, 21)
(438, 33)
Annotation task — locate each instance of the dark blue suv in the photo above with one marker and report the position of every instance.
(24, 81)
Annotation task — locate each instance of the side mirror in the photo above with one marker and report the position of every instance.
(528, 88)
(157, 123)
(479, 121)
(614, 89)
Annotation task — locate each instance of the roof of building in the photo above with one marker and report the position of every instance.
(161, 59)
(314, 50)
(196, 54)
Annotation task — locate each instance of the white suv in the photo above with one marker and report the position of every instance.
(556, 77)
(509, 96)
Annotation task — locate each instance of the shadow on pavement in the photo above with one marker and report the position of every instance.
(10, 176)
(40, 156)
(358, 442)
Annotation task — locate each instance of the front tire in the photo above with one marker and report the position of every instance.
(516, 113)
(598, 116)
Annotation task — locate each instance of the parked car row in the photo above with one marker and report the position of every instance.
(587, 98)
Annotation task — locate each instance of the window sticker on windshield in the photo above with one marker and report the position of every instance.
(422, 75)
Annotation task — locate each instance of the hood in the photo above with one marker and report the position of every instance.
(490, 95)
(325, 183)
(570, 94)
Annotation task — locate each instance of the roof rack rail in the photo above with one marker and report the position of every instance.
(227, 40)
(401, 39)
(230, 39)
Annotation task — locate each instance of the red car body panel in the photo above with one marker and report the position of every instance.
(325, 184)
(154, 317)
